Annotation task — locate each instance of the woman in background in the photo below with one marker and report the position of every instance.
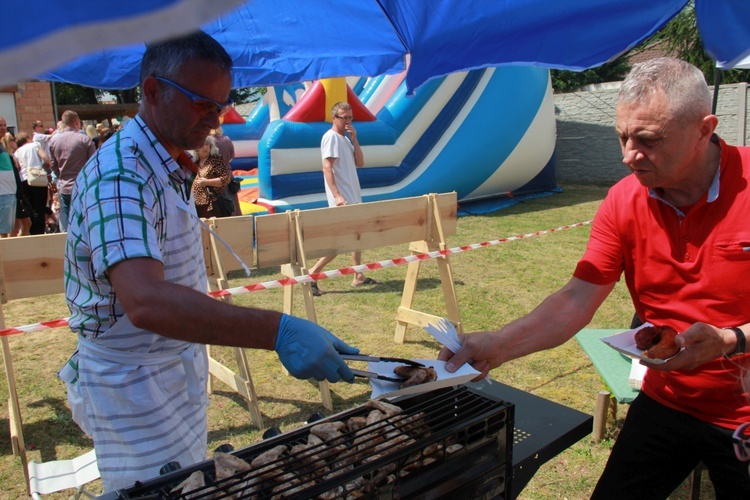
(226, 149)
(91, 132)
(210, 183)
(32, 155)
(22, 224)
(8, 189)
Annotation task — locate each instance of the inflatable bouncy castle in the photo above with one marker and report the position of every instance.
(485, 134)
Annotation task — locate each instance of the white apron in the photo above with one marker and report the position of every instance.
(140, 396)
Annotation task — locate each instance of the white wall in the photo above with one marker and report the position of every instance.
(8, 110)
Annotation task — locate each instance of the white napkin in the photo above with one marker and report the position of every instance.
(445, 333)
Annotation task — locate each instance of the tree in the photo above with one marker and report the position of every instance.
(128, 95)
(682, 38)
(568, 81)
(247, 94)
(68, 94)
(72, 94)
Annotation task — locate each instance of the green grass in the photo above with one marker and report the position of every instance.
(494, 286)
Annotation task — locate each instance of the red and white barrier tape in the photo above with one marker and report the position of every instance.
(310, 278)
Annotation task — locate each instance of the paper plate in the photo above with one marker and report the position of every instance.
(384, 389)
(625, 343)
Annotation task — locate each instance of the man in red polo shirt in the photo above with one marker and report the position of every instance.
(677, 229)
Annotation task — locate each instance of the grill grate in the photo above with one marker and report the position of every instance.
(431, 433)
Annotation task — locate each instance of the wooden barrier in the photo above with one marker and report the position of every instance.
(237, 232)
(32, 266)
(291, 239)
(440, 221)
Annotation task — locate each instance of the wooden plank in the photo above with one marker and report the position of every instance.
(238, 233)
(600, 415)
(448, 209)
(274, 240)
(340, 230)
(418, 318)
(241, 386)
(33, 265)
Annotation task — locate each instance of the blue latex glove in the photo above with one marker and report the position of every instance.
(308, 350)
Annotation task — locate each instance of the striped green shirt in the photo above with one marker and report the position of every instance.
(119, 211)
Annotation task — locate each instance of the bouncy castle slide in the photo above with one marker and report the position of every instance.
(483, 133)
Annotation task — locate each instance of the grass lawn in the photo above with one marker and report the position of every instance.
(494, 286)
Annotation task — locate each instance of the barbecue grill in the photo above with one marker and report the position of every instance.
(453, 442)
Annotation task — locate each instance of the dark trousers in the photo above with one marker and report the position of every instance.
(204, 213)
(37, 196)
(658, 448)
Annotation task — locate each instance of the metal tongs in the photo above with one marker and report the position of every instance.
(366, 374)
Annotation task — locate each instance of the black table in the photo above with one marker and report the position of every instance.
(542, 429)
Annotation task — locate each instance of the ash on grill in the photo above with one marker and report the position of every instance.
(410, 449)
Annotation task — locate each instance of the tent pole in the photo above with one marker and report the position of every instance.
(717, 82)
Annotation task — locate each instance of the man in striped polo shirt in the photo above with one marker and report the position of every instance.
(136, 284)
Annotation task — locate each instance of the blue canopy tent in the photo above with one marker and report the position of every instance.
(282, 41)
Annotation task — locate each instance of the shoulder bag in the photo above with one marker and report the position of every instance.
(226, 204)
(36, 176)
(234, 186)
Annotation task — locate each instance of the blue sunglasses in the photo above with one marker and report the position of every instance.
(203, 104)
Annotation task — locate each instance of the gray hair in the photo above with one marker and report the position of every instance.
(168, 58)
(684, 85)
(210, 141)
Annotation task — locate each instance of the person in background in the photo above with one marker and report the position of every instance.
(23, 206)
(8, 187)
(342, 156)
(226, 150)
(677, 229)
(91, 133)
(51, 222)
(53, 219)
(211, 181)
(135, 279)
(104, 132)
(69, 152)
(9, 142)
(42, 136)
(30, 155)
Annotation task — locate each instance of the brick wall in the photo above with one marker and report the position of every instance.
(33, 102)
(587, 147)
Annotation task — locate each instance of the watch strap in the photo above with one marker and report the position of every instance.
(741, 341)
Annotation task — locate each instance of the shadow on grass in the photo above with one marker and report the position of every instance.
(304, 410)
(385, 286)
(45, 436)
(560, 376)
(571, 195)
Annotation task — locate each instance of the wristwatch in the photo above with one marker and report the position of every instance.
(741, 342)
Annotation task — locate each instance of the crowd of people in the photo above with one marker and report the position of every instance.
(35, 194)
(38, 170)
